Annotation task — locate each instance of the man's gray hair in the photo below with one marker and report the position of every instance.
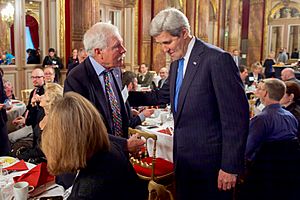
(170, 20)
(98, 36)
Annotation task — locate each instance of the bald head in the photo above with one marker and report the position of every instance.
(287, 74)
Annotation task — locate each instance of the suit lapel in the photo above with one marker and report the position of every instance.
(191, 70)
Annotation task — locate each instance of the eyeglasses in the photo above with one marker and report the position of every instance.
(48, 73)
(36, 77)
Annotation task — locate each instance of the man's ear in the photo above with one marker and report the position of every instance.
(98, 52)
(185, 33)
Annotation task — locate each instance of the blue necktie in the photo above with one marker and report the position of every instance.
(178, 81)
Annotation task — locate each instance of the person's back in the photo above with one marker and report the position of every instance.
(272, 150)
(108, 175)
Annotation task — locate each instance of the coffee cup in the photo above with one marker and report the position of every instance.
(21, 190)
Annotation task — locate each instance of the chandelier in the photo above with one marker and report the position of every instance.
(7, 14)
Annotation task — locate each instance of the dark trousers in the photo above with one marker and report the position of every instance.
(4, 142)
(199, 185)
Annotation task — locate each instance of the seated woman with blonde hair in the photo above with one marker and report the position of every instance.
(76, 140)
(53, 92)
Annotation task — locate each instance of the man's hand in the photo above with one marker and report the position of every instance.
(1, 105)
(226, 181)
(134, 143)
(36, 98)
(148, 112)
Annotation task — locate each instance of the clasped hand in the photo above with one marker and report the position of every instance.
(226, 181)
(134, 143)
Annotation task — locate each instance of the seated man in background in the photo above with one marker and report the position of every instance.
(243, 73)
(288, 74)
(49, 75)
(163, 73)
(272, 150)
(144, 77)
(130, 81)
(34, 112)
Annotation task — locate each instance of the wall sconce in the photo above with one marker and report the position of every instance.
(7, 14)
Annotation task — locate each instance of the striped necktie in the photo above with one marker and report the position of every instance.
(179, 79)
(115, 108)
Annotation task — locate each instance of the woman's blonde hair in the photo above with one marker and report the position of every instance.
(53, 92)
(74, 133)
(255, 65)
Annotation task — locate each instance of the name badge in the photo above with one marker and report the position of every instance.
(251, 78)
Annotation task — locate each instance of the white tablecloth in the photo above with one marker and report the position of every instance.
(164, 144)
(57, 191)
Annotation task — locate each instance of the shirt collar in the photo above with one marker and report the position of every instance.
(189, 49)
(272, 106)
(97, 67)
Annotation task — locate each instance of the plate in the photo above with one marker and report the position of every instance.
(7, 161)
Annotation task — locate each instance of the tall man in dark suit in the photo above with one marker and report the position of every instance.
(210, 109)
(104, 46)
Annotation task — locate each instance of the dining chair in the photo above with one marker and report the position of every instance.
(149, 167)
(25, 95)
(158, 192)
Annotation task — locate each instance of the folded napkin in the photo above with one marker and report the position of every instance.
(165, 131)
(19, 166)
(37, 176)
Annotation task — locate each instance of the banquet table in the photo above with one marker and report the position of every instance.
(18, 108)
(50, 189)
(164, 144)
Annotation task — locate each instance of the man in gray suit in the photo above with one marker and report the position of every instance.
(210, 109)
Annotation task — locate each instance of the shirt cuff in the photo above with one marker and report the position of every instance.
(142, 116)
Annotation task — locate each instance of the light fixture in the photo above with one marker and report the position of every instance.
(7, 14)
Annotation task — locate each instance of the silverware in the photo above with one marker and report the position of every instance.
(41, 191)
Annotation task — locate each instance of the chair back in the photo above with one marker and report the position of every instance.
(137, 159)
(158, 192)
(25, 95)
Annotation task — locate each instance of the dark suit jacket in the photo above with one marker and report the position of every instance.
(84, 80)
(147, 80)
(108, 175)
(211, 123)
(35, 113)
(161, 82)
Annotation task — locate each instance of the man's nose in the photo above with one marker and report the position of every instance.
(123, 49)
(165, 48)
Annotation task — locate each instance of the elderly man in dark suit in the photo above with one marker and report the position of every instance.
(210, 109)
(98, 78)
